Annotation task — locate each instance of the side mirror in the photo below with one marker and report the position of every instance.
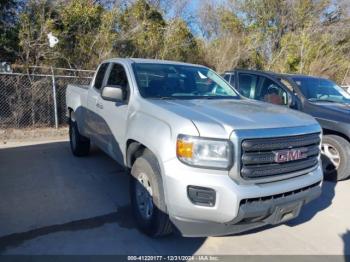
(294, 101)
(113, 93)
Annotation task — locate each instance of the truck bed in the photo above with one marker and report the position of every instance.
(76, 97)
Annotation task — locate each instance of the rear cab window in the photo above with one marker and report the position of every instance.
(247, 84)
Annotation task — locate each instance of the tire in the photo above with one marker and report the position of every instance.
(147, 197)
(80, 145)
(335, 157)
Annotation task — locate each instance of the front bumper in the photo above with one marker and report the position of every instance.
(250, 216)
(233, 211)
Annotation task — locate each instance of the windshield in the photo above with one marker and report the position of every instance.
(169, 81)
(319, 89)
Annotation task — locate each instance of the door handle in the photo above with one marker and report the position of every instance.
(99, 105)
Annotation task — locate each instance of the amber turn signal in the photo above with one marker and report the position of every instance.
(184, 148)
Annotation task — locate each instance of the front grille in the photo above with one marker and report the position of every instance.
(277, 196)
(259, 155)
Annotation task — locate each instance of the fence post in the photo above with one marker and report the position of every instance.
(54, 97)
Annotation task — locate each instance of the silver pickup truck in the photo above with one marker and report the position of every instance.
(203, 160)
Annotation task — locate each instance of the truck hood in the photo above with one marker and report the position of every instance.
(333, 112)
(224, 116)
(336, 107)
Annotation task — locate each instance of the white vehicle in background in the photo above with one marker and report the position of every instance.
(346, 88)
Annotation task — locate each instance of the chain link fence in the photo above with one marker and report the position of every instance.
(37, 100)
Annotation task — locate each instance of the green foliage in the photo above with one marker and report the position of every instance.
(283, 36)
(8, 30)
(179, 43)
(229, 22)
(310, 52)
(34, 24)
(280, 35)
(89, 33)
(143, 26)
(85, 33)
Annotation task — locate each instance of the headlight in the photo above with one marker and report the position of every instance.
(204, 152)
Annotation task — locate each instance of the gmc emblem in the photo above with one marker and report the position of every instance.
(290, 155)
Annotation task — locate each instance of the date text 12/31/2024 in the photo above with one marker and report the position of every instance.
(173, 258)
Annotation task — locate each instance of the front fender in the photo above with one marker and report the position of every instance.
(157, 134)
(159, 137)
(339, 127)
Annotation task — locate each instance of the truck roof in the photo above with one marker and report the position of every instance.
(149, 61)
(274, 74)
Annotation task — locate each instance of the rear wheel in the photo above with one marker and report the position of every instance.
(80, 145)
(147, 197)
(335, 157)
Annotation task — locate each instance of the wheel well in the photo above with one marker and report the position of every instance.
(134, 149)
(332, 132)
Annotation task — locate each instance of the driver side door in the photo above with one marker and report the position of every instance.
(94, 118)
(114, 114)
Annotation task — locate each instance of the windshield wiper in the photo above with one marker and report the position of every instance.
(217, 97)
(166, 98)
(163, 97)
(193, 97)
(322, 100)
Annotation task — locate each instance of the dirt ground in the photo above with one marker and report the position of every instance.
(30, 134)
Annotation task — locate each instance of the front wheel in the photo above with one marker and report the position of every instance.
(335, 157)
(147, 197)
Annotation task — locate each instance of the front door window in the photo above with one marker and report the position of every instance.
(271, 92)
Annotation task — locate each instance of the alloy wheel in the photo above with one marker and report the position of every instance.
(144, 196)
(331, 159)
